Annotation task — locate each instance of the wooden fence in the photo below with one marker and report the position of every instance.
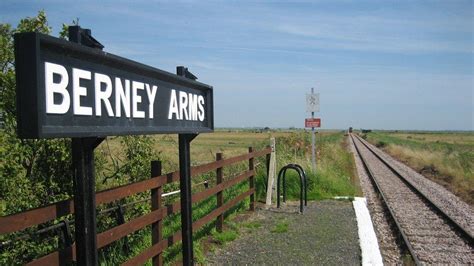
(23, 220)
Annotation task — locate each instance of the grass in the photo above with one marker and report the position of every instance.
(280, 227)
(253, 225)
(335, 173)
(225, 236)
(446, 158)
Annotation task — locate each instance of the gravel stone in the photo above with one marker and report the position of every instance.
(390, 243)
(326, 234)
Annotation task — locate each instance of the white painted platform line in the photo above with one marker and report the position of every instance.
(368, 240)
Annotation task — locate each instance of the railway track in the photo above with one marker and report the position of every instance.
(435, 228)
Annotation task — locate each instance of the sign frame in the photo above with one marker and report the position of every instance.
(312, 102)
(312, 122)
(33, 49)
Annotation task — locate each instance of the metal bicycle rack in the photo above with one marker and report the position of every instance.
(303, 184)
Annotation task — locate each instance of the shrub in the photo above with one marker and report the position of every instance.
(381, 144)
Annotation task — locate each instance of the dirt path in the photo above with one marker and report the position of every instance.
(326, 234)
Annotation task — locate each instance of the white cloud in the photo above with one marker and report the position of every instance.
(378, 34)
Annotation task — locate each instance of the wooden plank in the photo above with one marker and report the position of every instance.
(251, 181)
(154, 250)
(212, 215)
(117, 232)
(211, 191)
(23, 220)
(103, 239)
(116, 193)
(220, 194)
(176, 207)
(62, 257)
(196, 170)
(265, 151)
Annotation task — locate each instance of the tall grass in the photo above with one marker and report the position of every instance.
(335, 169)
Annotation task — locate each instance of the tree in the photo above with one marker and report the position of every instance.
(32, 172)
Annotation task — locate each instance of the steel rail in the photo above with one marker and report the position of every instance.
(400, 229)
(465, 232)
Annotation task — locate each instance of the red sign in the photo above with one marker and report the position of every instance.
(312, 122)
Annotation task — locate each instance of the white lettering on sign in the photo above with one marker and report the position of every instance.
(201, 108)
(183, 104)
(78, 91)
(136, 99)
(103, 96)
(122, 97)
(151, 93)
(56, 88)
(127, 94)
(189, 106)
(193, 107)
(173, 106)
(103, 89)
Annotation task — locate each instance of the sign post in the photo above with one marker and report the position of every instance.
(72, 89)
(312, 105)
(186, 200)
(84, 177)
(185, 185)
(84, 199)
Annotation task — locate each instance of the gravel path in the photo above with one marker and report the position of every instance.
(326, 234)
(433, 240)
(390, 243)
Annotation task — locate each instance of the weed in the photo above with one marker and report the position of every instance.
(225, 236)
(280, 227)
(199, 256)
(381, 144)
(253, 225)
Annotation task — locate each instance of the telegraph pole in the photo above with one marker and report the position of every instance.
(313, 141)
(312, 106)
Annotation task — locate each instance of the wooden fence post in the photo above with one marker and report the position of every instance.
(156, 227)
(271, 171)
(220, 195)
(252, 181)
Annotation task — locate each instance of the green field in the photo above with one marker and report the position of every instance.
(445, 157)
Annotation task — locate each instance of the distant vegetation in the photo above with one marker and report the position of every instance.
(445, 157)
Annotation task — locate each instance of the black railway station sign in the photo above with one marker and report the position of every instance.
(73, 89)
(69, 90)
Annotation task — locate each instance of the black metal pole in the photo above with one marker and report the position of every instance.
(84, 176)
(186, 200)
(185, 184)
(84, 200)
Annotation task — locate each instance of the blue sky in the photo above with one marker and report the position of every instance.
(376, 64)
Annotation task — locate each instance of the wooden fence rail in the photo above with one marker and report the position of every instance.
(23, 220)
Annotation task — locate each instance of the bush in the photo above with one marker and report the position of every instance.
(381, 144)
